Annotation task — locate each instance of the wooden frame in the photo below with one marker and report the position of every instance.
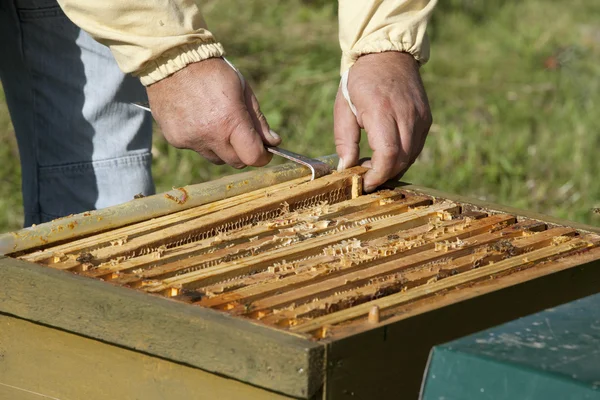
(480, 204)
(62, 365)
(191, 335)
(379, 360)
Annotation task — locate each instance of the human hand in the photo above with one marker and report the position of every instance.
(203, 107)
(392, 107)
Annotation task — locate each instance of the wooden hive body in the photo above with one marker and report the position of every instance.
(306, 289)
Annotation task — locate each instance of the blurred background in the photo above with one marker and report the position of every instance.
(514, 88)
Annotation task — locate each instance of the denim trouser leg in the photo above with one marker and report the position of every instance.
(82, 145)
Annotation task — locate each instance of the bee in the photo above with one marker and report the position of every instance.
(85, 258)
(248, 307)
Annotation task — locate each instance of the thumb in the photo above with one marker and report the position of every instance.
(347, 133)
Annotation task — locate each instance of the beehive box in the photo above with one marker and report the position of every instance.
(301, 289)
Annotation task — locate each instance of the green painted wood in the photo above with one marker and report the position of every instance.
(489, 379)
(203, 338)
(554, 354)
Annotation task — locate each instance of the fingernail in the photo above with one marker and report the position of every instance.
(274, 135)
(341, 164)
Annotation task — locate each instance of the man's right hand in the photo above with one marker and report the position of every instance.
(203, 107)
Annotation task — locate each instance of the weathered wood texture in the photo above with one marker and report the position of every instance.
(489, 206)
(104, 239)
(41, 363)
(76, 226)
(387, 361)
(449, 283)
(196, 336)
(306, 256)
(292, 276)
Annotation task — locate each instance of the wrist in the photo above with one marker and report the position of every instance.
(394, 57)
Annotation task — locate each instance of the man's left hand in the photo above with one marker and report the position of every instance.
(392, 107)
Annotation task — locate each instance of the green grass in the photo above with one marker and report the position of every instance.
(506, 128)
(11, 210)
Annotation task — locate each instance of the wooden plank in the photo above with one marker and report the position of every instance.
(164, 255)
(328, 188)
(194, 229)
(489, 206)
(199, 337)
(589, 255)
(326, 297)
(109, 271)
(341, 275)
(18, 393)
(146, 208)
(267, 283)
(448, 283)
(305, 249)
(104, 239)
(548, 271)
(384, 360)
(41, 363)
(362, 276)
(226, 253)
(513, 247)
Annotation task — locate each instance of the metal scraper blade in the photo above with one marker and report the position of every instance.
(317, 168)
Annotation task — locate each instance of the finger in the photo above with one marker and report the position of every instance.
(258, 118)
(201, 147)
(419, 146)
(227, 153)
(216, 153)
(346, 132)
(388, 157)
(365, 162)
(247, 143)
(212, 157)
(408, 144)
(422, 133)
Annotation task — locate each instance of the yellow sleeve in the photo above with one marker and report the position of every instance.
(151, 39)
(375, 26)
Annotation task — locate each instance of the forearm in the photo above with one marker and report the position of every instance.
(375, 26)
(151, 39)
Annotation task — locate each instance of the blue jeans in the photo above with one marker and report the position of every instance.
(82, 144)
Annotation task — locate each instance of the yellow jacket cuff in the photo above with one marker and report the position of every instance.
(175, 59)
(375, 26)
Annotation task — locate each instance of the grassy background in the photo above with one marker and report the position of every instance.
(514, 88)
